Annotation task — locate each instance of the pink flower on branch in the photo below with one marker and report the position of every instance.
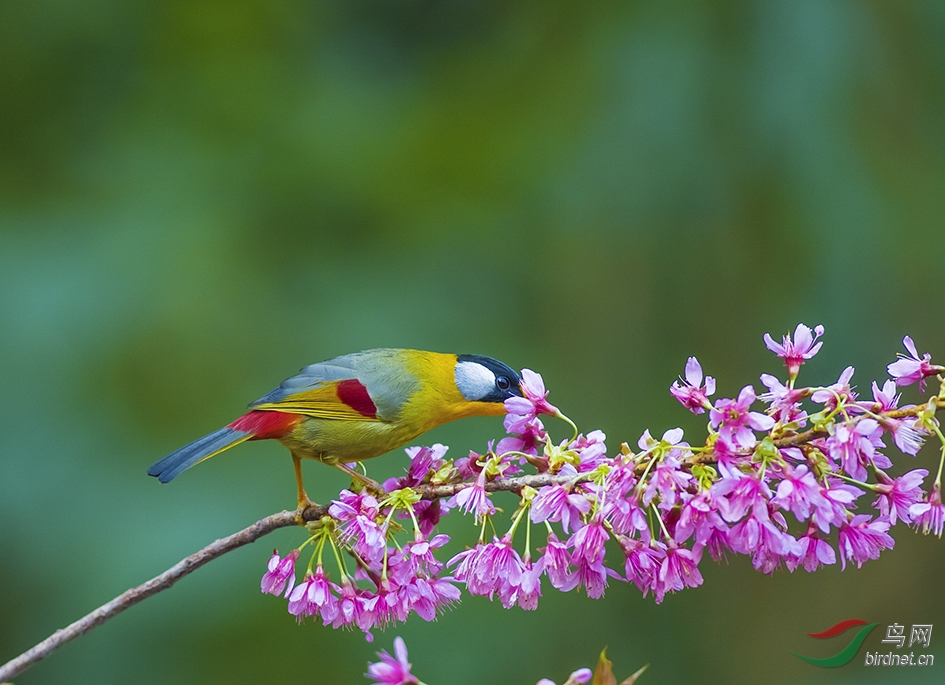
(833, 395)
(280, 572)
(897, 495)
(783, 401)
(357, 514)
(812, 552)
(853, 447)
(487, 570)
(392, 670)
(699, 515)
(555, 503)
(930, 514)
(679, 569)
(424, 462)
(669, 479)
(735, 423)
(691, 392)
(796, 352)
(557, 564)
(909, 369)
(643, 562)
(832, 509)
(533, 401)
(863, 539)
(314, 596)
(798, 492)
(474, 498)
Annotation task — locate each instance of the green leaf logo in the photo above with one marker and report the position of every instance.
(845, 655)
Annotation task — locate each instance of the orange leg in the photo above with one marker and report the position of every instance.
(304, 501)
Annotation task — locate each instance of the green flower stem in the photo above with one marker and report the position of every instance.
(859, 483)
(570, 423)
(941, 461)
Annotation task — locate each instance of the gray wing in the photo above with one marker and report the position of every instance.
(379, 370)
(313, 375)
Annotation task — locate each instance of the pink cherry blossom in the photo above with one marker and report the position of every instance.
(314, 597)
(592, 575)
(588, 542)
(392, 670)
(357, 514)
(853, 448)
(557, 564)
(832, 509)
(680, 568)
(841, 389)
(527, 434)
(280, 574)
(794, 353)
(737, 496)
(669, 480)
(424, 461)
(909, 369)
(699, 515)
(863, 539)
(643, 562)
(897, 495)
(529, 590)
(812, 552)
(735, 423)
(533, 401)
(555, 503)
(690, 392)
(783, 401)
(798, 492)
(495, 568)
(907, 436)
(474, 498)
(930, 514)
(885, 399)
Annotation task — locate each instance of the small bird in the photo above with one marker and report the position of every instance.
(359, 406)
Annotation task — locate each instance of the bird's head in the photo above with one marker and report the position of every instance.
(484, 379)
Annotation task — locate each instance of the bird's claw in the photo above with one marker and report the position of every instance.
(304, 503)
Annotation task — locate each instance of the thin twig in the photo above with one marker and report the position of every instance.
(162, 582)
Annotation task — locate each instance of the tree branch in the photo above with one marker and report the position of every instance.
(288, 518)
(162, 582)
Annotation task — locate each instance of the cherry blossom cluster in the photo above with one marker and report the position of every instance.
(387, 582)
(646, 516)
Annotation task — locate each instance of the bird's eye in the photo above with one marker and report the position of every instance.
(502, 383)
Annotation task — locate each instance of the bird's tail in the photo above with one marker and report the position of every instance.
(208, 446)
(255, 425)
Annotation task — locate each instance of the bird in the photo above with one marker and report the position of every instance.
(358, 406)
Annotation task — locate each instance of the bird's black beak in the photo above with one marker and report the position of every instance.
(517, 389)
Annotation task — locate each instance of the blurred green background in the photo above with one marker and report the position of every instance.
(197, 199)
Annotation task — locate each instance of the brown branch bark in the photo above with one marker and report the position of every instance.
(288, 518)
(161, 582)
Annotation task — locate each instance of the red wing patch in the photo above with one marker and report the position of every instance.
(266, 424)
(355, 395)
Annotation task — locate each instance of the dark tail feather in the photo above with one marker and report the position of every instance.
(208, 446)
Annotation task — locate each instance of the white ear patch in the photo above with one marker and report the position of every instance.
(474, 380)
